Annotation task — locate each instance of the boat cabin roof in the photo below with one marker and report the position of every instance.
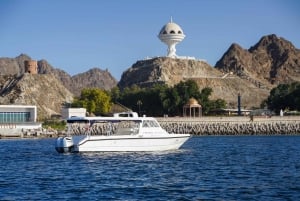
(111, 119)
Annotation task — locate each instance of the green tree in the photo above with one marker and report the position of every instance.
(207, 105)
(218, 104)
(95, 101)
(170, 100)
(284, 96)
(115, 94)
(187, 90)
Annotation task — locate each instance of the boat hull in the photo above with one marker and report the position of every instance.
(128, 143)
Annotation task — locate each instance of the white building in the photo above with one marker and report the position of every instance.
(16, 118)
(73, 112)
(18, 113)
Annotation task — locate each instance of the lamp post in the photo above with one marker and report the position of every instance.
(139, 103)
(239, 105)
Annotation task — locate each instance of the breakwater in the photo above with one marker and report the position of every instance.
(288, 125)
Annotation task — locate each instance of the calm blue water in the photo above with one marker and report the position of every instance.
(206, 168)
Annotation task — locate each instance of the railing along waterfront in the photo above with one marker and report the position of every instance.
(287, 125)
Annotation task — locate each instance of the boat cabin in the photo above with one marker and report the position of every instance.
(129, 124)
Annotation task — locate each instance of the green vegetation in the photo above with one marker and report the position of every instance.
(54, 124)
(152, 101)
(284, 96)
(95, 101)
(161, 99)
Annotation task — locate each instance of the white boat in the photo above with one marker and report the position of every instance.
(122, 132)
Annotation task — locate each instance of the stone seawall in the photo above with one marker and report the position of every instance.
(289, 125)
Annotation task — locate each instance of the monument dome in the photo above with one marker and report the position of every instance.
(171, 34)
(171, 28)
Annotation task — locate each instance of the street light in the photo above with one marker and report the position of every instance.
(139, 103)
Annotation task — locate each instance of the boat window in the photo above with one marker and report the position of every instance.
(150, 123)
(72, 121)
(127, 128)
(125, 115)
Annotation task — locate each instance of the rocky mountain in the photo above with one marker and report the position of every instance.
(165, 70)
(273, 60)
(48, 89)
(251, 73)
(42, 90)
(13, 66)
(93, 78)
(171, 71)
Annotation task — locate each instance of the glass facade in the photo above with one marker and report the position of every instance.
(14, 117)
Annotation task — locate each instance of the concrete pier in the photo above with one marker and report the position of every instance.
(288, 125)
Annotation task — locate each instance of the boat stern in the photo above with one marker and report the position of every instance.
(64, 144)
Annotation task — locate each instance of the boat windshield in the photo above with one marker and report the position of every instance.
(150, 123)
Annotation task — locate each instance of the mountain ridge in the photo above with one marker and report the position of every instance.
(251, 72)
(75, 83)
(49, 95)
(272, 60)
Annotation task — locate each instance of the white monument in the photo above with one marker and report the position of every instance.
(171, 34)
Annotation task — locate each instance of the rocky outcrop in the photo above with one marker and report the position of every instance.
(252, 72)
(45, 68)
(42, 90)
(171, 71)
(9, 66)
(95, 77)
(166, 70)
(273, 60)
(228, 88)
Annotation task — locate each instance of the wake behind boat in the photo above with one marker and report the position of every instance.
(122, 132)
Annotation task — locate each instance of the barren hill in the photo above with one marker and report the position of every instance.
(42, 90)
(251, 73)
(165, 69)
(171, 71)
(273, 60)
(94, 77)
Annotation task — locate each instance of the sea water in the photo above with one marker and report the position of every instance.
(205, 168)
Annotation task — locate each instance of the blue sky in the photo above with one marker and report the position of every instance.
(76, 35)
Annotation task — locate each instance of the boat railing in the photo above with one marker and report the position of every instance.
(105, 128)
(101, 129)
(77, 128)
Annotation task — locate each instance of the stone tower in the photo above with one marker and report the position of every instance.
(30, 66)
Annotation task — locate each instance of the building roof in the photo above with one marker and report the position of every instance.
(171, 28)
(192, 102)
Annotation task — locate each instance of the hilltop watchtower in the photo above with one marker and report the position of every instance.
(30, 66)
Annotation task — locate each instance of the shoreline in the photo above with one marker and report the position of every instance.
(203, 126)
(276, 125)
